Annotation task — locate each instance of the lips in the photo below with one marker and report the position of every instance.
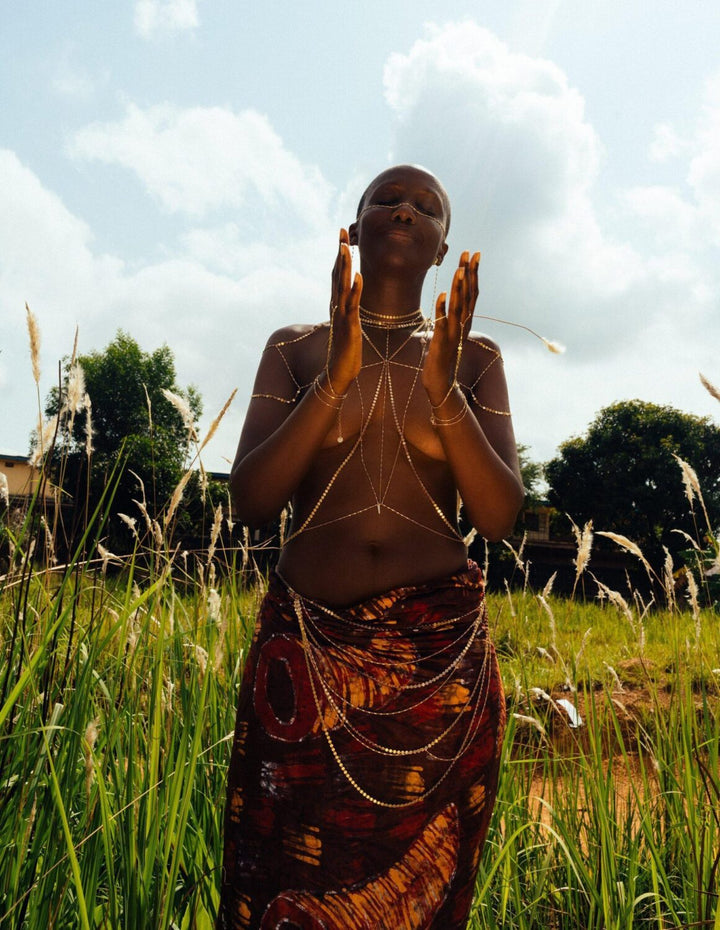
(402, 235)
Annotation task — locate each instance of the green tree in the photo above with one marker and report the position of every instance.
(532, 477)
(622, 474)
(136, 432)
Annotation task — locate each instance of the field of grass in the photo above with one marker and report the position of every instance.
(118, 685)
(117, 697)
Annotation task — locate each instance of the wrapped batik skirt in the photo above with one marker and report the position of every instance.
(365, 761)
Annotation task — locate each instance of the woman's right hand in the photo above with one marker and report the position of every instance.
(344, 356)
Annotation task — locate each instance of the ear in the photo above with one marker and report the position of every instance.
(352, 234)
(441, 254)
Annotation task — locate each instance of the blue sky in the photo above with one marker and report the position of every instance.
(180, 168)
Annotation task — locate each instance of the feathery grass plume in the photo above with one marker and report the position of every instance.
(203, 480)
(245, 548)
(34, 333)
(669, 580)
(149, 406)
(75, 392)
(552, 346)
(4, 489)
(142, 507)
(177, 496)
(584, 539)
(131, 522)
(88, 427)
(228, 517)
(49, 541)
(283, 525)
(692, 487)
(45, 435)
(547, 590)
(470, 538)
(525, 719)
(183, 408)
(215, 532)
(616, 599)
(107, 556)
(216, 422)
(709, 387)
(201, 657)
(517, 555)
(551, 616)
(630, 546)
(615, 677)
(89, 739)
(692, 596)
(509, 597)
(214, 603)
(689, 479)
(583, 643)
(688, 538)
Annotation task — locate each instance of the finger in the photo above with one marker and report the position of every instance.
(337, 268)
(345, 270)
(472, 290)
(355, 294)
(440, 307)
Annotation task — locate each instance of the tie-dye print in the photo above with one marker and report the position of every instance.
(333, 820)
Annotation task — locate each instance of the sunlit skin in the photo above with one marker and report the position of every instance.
(291, 452)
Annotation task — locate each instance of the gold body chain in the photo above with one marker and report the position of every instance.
(474, 705)
(383, 395)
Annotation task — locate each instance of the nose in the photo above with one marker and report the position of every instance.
(404, 213)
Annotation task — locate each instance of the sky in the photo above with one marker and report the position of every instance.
(180, 169)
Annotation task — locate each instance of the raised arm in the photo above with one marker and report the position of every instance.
(476, 430)
(284, 431)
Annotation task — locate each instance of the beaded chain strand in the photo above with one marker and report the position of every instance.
(382, 393)
(478, 709)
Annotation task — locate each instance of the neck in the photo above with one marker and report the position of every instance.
(391, 296)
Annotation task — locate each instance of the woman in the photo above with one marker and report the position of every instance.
(365, 759)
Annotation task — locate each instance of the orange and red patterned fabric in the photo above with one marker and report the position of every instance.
(365, 762)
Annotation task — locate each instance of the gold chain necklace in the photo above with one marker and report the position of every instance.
(391, 321)
(478, 709)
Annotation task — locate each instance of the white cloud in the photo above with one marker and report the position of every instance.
(666, 143)
(509, 137)
(704, 173)
(155, 17)
(204, 159)
(632, 291)
(214, 313)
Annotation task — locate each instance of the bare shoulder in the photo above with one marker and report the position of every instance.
(482, 346)
(297, 333)
(482, 376)
(480, 354)
(299, 350)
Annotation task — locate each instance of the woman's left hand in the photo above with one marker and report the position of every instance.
(452, 327)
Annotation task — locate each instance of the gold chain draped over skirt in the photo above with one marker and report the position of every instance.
(365, 761)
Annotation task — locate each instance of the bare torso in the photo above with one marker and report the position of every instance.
(379, 508)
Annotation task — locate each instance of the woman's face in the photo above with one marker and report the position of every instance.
(403, 216)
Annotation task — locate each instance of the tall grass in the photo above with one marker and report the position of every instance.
(118, 685)
(118, 713)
